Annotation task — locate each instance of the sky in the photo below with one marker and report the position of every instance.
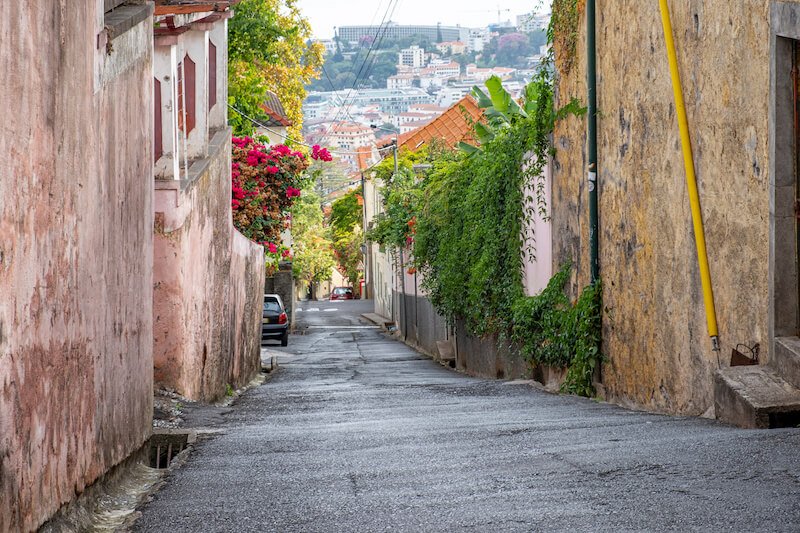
(325, 14)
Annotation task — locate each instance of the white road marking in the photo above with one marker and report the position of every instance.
(329, 310)
(343, 327)
(312, 309)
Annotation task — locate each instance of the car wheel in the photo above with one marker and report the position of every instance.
(285, 338)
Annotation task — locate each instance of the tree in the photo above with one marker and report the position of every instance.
(512, 49)
(313, 256)
(347, 235)
(270, 49)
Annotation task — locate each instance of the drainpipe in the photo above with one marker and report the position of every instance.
(691, 180)
(591, 84)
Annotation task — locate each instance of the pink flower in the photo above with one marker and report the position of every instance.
(272, 169)
(273, 248)
(252, 160)
(321, 154)
(286, 253)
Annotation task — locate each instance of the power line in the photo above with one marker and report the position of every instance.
(286, 137)
(366, 58)
(380, 42)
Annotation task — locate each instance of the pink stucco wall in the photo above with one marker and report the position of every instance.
(75, 254)
(537, 238)
(208, 284)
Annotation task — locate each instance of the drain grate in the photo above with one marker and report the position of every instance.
(166, 445)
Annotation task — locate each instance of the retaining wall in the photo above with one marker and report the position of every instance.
(76, 233)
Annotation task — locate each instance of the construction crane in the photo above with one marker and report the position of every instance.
(500, 11)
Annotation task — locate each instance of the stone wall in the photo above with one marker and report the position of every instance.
(75, 254)
(282, 283)
(208, 283)
(654, 332)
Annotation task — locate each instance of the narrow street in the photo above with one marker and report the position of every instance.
(357, 432)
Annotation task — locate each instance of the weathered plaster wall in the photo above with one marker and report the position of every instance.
(208, 284)
(75, 255)
(654, 333)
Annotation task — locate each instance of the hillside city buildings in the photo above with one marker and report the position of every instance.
(426, 84)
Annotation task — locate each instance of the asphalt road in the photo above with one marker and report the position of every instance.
(357, 432)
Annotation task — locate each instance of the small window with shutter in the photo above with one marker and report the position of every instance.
(187, 95)
(212, 75)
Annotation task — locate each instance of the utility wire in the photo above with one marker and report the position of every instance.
(366, 58)
(286, 137)
(374, 59)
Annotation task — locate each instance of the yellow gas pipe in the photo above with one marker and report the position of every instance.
(691, 180)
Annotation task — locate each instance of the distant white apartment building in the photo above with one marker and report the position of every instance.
(411, 126)
(443, 69)
(329, 44)
(315, 109)
(346, 137)
(399, 81)
(413, 57)
(483, 74)
(477, 39)
(395, 31)
(391, 101)
(452, 47)
(450, 95)
(410, 116)
(530, 22)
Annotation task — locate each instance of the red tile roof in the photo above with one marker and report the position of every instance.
(363, 155)
(179, 7)
(451, 127)
(277, 116)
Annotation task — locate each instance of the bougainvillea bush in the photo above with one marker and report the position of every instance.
(265, 182)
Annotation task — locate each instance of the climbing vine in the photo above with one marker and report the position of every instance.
(463, 222)
(563, 31)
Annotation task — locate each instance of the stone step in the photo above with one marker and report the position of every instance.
(755, 397)
(786, 359)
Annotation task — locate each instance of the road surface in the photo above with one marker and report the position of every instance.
(357, 432)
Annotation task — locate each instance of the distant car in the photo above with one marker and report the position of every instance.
(274, 321)
(342, 293)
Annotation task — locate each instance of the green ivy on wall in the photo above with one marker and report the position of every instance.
(463, 222)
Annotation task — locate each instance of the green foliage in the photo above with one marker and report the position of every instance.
(269, 48)
(346, 214)
(563, 31)
(347, 234)
(550, 330)
(465, 220)
(394, 227)
(313, 258)
(469, 232)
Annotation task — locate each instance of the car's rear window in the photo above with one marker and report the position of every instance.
(272, 305)
(341, 290)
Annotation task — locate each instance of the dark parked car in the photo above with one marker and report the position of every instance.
(342, 293)
(274, 322)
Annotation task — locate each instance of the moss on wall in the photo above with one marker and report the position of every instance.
(655, 336)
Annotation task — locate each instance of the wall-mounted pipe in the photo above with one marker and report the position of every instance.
(591, 90)
(691, 180)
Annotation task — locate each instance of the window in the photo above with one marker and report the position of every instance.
(186, 95)
(212, 75)
(158, 149)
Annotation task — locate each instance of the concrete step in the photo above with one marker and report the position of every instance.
(786, 359)
(378, 320)
(755, 397)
